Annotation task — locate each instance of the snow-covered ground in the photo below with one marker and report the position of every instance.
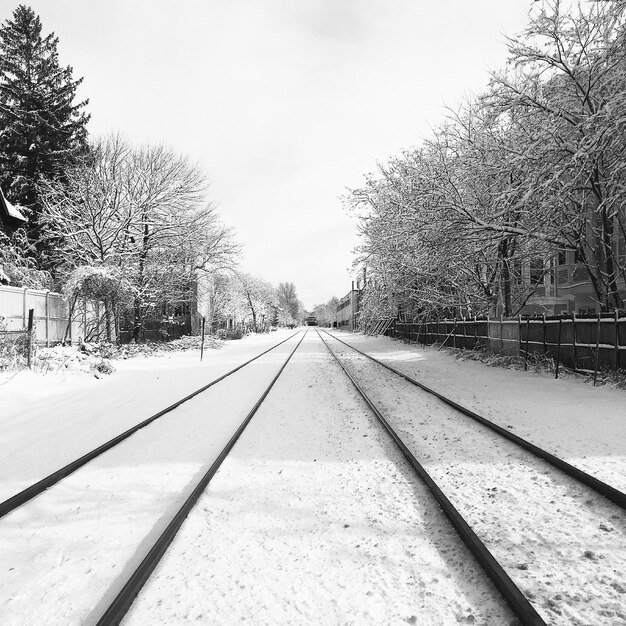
(49, 420)
(314, 517)
(73, 545)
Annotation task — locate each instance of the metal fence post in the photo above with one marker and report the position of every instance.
(47, 298)
(558, 350)
(574, 351)
(616, 343)
(475, 333)
(29, 358)
(595, 367)
(527, 338)
(464, 336)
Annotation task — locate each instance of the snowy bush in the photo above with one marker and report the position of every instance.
(101, 284)
(223, 333)
(104, 367)
(13, 350)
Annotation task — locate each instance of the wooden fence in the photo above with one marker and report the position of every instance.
(581, 343)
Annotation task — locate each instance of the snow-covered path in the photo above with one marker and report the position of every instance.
(315, 518)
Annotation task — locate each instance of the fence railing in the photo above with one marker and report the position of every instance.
(51, 315)
(17, 345)
(583, 344)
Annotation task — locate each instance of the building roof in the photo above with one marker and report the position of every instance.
(10, 210)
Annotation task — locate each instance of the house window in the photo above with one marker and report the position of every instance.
(578, 256)
(536, 271)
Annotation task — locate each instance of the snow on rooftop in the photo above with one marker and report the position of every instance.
(11, 209)
(14, 212)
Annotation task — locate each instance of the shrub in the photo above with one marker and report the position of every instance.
(104, 367)
(13, 350)
(223, 333)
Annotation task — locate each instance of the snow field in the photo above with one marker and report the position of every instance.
(563, 545)
(74, 546)
(315, 518)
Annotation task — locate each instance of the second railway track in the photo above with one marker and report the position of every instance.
(545, 527)
(602, 488)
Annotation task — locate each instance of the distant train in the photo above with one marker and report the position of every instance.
(311, 320)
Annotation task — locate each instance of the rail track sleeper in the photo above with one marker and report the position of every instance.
(518, 602)
(611, 493)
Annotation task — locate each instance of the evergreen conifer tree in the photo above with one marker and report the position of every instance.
(42, 131)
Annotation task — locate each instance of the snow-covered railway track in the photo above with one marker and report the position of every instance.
(562, 544)
(124, 599)
(604, 489)
(316, 518)
(82, 551)
(518, 602)
(40, 486)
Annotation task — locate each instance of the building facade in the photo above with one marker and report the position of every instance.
(561, 285)
(347, 310)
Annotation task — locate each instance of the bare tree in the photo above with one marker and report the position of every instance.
(143, 211)
(288, 303)
(326, 313)
(532, 167)
(260, 300)
(567, 75)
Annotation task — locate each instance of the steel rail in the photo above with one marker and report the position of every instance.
(516, 600)
(37, 488)
(610, 493)
(123, 601)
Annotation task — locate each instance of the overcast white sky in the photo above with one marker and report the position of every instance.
(285, 103)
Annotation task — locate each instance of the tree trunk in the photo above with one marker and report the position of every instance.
(107, 318)
(137, 319)
(253, 312)
(69, 322)
(116, 321)
(504, 251)
(138, 313)
(607, 242)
